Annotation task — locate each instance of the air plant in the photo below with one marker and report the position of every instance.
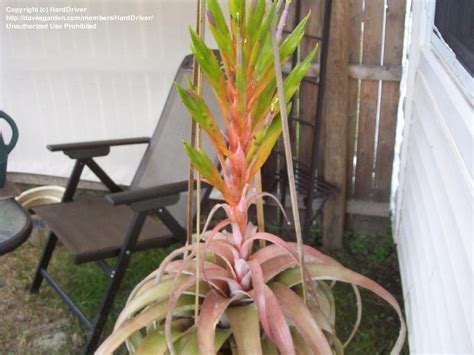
(228, 293)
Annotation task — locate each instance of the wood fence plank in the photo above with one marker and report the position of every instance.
(368, 208)
(373, 29)
(354, 57)
(390, 98)
(335, 117)
(362, 72)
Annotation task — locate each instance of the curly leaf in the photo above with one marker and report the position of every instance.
(295, 310)
(212, 309)
(292, 277)
(156, 312)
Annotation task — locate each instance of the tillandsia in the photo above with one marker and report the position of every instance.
(250, 296)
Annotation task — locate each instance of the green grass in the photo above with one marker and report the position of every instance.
(374, 257)
(86, 283)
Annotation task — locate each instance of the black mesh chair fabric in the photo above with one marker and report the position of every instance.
(93, 229)
(165, 161)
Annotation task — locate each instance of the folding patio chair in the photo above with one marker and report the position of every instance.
(96, 228)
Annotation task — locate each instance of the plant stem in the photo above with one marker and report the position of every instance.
(260, 210)
(288, 153)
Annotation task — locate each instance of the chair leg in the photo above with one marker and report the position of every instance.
(106, 307)
(114, 284)
(52, 239)
(44, 262)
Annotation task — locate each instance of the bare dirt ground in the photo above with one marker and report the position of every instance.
(32, 324)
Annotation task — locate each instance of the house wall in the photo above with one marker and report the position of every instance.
(434, 201)
(81, 85)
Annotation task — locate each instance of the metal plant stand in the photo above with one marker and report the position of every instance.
(313, 190)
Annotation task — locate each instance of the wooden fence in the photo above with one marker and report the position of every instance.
(360, 110)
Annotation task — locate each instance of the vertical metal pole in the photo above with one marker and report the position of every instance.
(319, 116)
(297, 100)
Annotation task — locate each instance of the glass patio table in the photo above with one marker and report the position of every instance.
(15, 222)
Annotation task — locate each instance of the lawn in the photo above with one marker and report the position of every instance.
(42, 324)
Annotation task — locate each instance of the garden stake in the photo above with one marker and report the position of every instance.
(197, 73)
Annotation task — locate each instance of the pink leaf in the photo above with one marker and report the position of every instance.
(212, 309)
(280, 329)
(295, 309)
(259, 296)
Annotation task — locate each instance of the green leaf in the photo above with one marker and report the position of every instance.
(263, 39)
(293, 81)
(266, 147)
(155, 342)
(156, 312)
(254, 21)
(205, 166)
(287, 48)
(245, 325)
(300, 345)
(293, 39)
(188, 343)
(262, 104)
(238, 10)
(220, 30)
(209, 64)
(156, 293)
(268, 348)
(202, 115)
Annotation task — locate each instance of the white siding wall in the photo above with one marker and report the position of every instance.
(76, 85)
(434, 202)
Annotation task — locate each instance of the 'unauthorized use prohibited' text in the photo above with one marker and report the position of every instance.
(63, 18)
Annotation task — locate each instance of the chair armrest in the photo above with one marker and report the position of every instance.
(82, 150)
(151, 197)
(98, 144)
(147, 193)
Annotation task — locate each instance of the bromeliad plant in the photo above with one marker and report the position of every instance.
(225, 294)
